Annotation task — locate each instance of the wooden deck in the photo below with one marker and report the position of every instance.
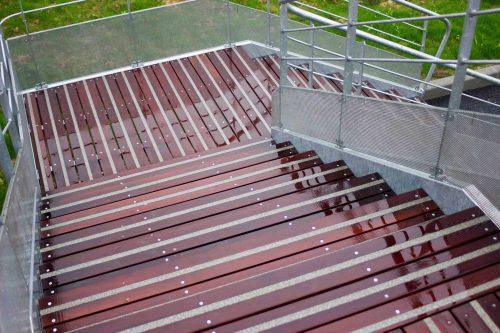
(105, 125)
(177, 212)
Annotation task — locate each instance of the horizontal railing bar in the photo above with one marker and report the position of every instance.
(417, 61)
(388, 16)
(39, 9)
(393, 36)
(411, 19)
(400, 75)
(6, 126)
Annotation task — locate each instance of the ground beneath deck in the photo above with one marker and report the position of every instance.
(167, 207)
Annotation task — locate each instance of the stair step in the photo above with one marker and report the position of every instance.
(148, 202)
(196, 208)
(163, 176)
(233, 254)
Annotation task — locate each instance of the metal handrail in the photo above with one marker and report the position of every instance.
(443, 41)
(327, 23)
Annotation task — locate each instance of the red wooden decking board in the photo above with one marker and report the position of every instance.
(252, 242)
(81, 120)
(111, 148)
(147, 247)
(216, 99)
(479, 315)
(271, 160)
(187, 113)
(220, 135)
(121, 124)
(134, 206)
(148, 118)
(207, 292)
(262, 76)
(225, 99)
(163, 178)
(210, 222)
(66, 157)
(443, 321)
(119, 84)
(420, 304)
(74, 137)
(99, 140)
(50, 138)
(173, 133)
(269, 71)
(183, 212)
(202, 95)
(234, 58)
(171, 94)
(60, 196)
(369, 291)
(39, 143)
(255, 111)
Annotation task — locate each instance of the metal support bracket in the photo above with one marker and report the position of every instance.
(437, 173)
(137, 64)
(41, 86)
(340, 143)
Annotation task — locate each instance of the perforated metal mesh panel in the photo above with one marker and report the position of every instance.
(412, 135)
(471, 152)
(73, 51)
(310, 112)
(403, 133)
(16, 239)
(181, 28)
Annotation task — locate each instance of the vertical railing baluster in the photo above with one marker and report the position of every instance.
(466, 42)
(137, 62)
(311, 62)
(361, 68)
(349, 65)
(40, 84)
(268, 8)
(228, 20)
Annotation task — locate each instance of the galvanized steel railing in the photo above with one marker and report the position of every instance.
(349, 58)
(464, 147)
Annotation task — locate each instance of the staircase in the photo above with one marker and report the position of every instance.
(256, 236)
(168, 207)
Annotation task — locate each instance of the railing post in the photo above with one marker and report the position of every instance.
(311, 63)
(361, 68)
(137, 62)
(348, 65)
(460, 75)
(7, 100)
(283, 44)
(5, 161)
(268, 7)
(228, 20)
(41, 84)
(350, 46)
(283, 55)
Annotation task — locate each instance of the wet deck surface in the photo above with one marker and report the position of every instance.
(215, 227)
(105, 125)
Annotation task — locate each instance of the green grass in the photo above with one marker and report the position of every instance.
(486, 43)
(3, 181)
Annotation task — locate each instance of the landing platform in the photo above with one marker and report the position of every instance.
(107, 124)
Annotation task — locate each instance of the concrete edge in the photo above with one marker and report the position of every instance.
(450, 198)
(470, 83)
